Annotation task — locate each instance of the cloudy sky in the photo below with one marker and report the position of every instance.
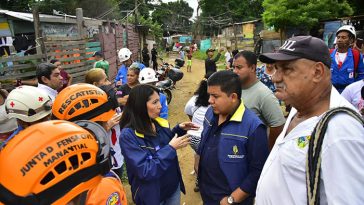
(192, 3)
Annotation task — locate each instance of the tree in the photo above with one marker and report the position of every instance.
(173, 16)
(154, 29)
(357, 6)
(217, 13)
(303, 14)
(129, 5)
(237, 10)
(16, 5)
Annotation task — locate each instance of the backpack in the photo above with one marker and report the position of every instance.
(356, 56)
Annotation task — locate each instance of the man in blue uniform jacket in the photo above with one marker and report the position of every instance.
(233, 145)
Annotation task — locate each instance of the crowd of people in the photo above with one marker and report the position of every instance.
(64, 143)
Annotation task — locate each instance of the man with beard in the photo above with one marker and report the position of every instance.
(257, 96)
(346, 63)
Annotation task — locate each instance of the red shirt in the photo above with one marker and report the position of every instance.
(65, 79)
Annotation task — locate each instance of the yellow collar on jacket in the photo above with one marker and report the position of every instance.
(239, 113)
(162, 122)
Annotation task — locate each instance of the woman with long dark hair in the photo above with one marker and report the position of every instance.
(149, 147)
(196, 109)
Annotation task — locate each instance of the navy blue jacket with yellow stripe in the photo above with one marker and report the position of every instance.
(147, 159)
(241, 156)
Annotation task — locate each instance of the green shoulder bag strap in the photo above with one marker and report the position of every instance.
(313, 160)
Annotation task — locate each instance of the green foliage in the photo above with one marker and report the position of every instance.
(129, 5)
(199, 55)
(174, 16)
(217, 13)
(16, 5)
(155, 29)
(357, 6)
(237, 10)
(302, 13)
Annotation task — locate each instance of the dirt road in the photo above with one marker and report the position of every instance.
(183, 92)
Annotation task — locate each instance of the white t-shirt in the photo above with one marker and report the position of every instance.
(283, 178)
(352, 93)
(340, 57)
(197, 113)
(227, 57)
(114, 137)
(49, 91)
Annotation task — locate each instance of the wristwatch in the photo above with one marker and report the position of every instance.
(230, 200)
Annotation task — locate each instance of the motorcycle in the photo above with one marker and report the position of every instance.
(168, 77)
(165, 87)
(163, 70)
(179, 62)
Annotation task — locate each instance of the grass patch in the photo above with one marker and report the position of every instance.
(221, 67)
(201, 55)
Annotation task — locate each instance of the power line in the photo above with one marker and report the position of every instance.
(132, 11)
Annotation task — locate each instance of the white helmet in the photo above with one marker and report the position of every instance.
(124, 54)
(28, 104)
(347, 28)
(147, 75)
(6, 124)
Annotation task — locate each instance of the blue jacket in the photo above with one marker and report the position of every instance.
(164, 109)
(241, 156)
(148, 159)
(345, 76)
(123, 73)
(20, 128)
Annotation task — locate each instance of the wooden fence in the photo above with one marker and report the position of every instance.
(75, 54)
(16, 67)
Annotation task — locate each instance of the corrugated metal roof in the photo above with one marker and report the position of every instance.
(27, 16)
(43, 17)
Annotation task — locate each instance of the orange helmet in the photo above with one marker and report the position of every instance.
(53, 162)
(84, 102)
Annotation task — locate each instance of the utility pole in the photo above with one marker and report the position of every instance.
(136, 14)
(197, 29)
(136, 11)
(38, 31)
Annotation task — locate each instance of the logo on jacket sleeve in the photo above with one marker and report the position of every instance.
(235, 154)
(114, 199)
